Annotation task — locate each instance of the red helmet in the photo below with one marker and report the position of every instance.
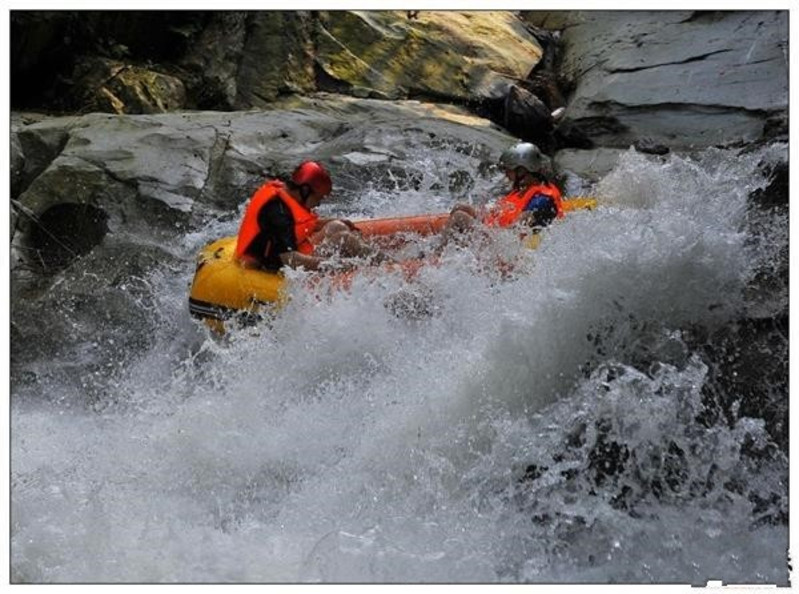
(313, 175)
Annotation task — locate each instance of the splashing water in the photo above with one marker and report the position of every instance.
(550, 426)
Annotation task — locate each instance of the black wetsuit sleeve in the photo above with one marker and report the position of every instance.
(276, 235)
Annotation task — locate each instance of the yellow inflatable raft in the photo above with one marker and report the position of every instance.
(223, 289)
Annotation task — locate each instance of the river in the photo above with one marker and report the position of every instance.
(553, 426)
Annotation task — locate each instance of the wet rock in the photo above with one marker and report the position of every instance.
(61, 217)
(554, 20)
(686, 79)
(549, 40)
(17, 165)
(81, 313)
(749, 374)
(244, 59)
(777, 191)
(776, 128)
(33, 148)
(591, 164)
(569, 134)
(118, 87)
(47, 46)
(65, 232)
(140, 90)
(110, 174)
(275, 58)
(628, 75)
(153, 174)
(460, 56)
(651, 146)
(548, 87)
(529, 118)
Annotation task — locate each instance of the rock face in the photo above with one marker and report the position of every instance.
(658, 80)
(459, 56)
(662, 79)
(115, 87)
(683, 78)
(240, 60)
(81, 177)
(51, 51)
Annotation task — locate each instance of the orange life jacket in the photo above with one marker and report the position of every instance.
(508, 210)
(304, 220)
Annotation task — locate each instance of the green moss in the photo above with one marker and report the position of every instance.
(381, 51)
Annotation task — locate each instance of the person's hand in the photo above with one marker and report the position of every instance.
(466, 208)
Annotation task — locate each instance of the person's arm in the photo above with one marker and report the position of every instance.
(276, 218)
(463, 207)
(277, 226)
(297, 260)
(322, 222)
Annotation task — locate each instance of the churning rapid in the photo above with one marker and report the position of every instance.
(567, 424)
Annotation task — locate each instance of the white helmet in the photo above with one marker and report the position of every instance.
(527, 156)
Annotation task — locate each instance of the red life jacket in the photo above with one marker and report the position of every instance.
(304, 220)
(508, 210)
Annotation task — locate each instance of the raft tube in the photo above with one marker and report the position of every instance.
(223, 289)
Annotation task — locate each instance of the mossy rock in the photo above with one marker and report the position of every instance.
(139, 90)
(460, 56)
(113, 86)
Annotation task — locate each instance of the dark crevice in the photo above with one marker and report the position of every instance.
(753, 62)
(326, 82)
(215, 163)
(611, 106)
(660, 65)
(65, 232)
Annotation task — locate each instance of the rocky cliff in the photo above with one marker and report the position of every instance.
(274, 87)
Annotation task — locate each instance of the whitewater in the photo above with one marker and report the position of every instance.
(547, 426)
